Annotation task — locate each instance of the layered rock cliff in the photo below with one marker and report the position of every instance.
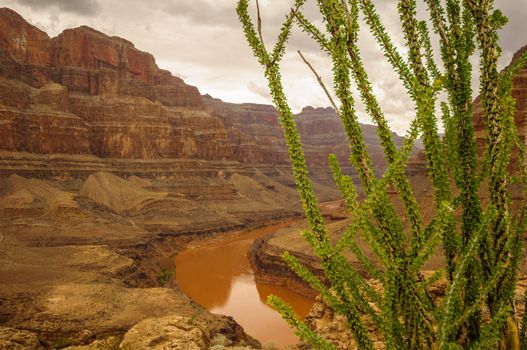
(322, 134)
(84, 92)
(256, 137)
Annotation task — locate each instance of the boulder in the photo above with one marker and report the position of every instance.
(16, 339)
(167, 333)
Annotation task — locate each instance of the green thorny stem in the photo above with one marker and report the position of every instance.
(482, 252)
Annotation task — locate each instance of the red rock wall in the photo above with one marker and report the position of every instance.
(519, 93)
(86, 60)
(417, 165)
(256, 136)
(253, 131)
(22, 42)
(84, 92)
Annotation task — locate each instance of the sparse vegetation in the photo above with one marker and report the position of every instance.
(164, 276)
(219, 340)
(61, 343)
(482, 241)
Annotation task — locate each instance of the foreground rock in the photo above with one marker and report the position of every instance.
(15, 339)
(161, 333)
(167, 333)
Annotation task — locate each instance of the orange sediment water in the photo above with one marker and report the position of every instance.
(219, 277)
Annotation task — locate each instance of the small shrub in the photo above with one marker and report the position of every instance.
(61, 343)
(220, 340)
(164, 276)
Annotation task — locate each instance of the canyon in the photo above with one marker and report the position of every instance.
(109, 166)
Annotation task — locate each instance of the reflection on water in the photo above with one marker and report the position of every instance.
(218, 276)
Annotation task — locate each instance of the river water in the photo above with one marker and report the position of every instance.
(219, 277)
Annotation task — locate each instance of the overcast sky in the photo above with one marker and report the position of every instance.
(202, 42)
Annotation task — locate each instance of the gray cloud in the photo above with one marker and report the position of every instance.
(514, 35)
(80, 7)
(204, 12)
(260, 90)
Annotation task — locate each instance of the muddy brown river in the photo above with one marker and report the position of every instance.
(219, 277)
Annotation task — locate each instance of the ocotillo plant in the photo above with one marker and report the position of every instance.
(482, 241)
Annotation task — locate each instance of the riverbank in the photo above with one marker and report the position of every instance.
(265, 254)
